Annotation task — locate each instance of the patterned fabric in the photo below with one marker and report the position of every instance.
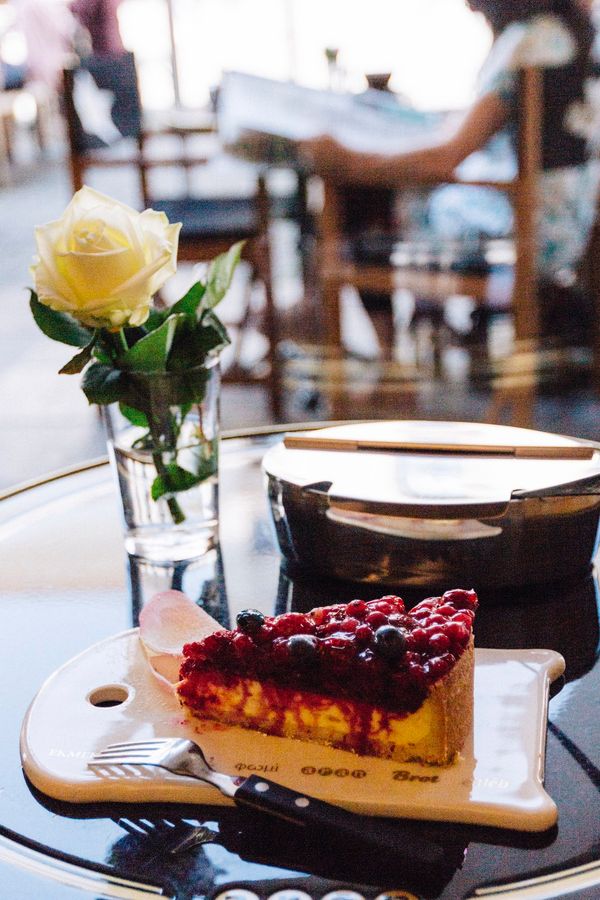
(570, 178)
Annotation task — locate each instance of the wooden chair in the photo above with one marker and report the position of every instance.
(210, 224)
(338, 270)
(43, 101)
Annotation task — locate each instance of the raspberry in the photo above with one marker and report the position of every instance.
(420, 614)
(417, 672)
(266, 634)
(439, 642)
(214, 643)
(317, 615)
(292, 623)
(363, 634)
(356, 608)
(417, 638)
(461, 599)
(242, 645)
(382, 606)
(457, 632)
(438, 666)
(428, 604)
(465, 616)
(445, 610)
(376, 619)
(396, 602)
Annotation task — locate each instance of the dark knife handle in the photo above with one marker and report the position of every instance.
(353, 829)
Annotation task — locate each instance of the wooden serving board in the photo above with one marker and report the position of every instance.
(109, 694)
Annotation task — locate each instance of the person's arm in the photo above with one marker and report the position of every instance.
(436, 162)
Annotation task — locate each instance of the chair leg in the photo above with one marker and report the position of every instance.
(259, 256)
(512, 402)
(7, 136)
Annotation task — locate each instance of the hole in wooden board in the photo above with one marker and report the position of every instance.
(108, 695)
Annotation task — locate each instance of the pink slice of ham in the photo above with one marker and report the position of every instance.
(167, 622)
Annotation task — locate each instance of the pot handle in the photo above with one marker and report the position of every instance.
(583, 487)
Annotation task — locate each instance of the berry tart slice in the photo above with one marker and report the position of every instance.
(364, 676)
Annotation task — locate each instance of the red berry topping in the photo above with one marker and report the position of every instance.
(458, 632)
(383, 606)
(445, 610)
(364, 634)
(439, 642)
(376, 619)
(461, 599)
(292, 623)
(357, 608)
(371, 651)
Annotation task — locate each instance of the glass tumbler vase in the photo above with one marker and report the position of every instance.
(163, 445)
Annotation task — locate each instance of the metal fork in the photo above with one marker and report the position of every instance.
(176, 755)
(185, 758)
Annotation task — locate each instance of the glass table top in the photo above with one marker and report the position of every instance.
(67, 584)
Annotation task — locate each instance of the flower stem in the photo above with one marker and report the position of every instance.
(177, 513)
(123, 340)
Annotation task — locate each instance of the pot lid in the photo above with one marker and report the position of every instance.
(430, 469)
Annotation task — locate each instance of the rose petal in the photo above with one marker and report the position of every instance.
(102, 261)
(167, 622)
(166, 667)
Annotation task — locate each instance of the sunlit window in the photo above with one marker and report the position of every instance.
(432, 48)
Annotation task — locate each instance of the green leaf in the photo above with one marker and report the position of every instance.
(189, 302)
(103, 384)
(135, 416)
(155, 319)
(220, 275)
(102, 352)
(150, 354)
(218, 336)
(59, 326)
(195, 340)
(175, 479)
(79, 361)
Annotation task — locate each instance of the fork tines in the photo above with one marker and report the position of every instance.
(131, 747)
(152, 744)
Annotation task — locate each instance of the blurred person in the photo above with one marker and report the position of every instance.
(557, 36)
(49, 31)
(100, 20)
(12, 75)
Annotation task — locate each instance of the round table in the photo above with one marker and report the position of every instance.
(66, 584)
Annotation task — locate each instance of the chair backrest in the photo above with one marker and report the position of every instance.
(101, 105)
(102, 101)
(523, 191)
(525, 202)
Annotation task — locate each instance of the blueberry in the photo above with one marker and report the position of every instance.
(390, 642)
(302, 647)
(250, 620)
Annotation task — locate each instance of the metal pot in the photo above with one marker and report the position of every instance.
(436, 503)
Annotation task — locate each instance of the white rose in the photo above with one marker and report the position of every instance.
(102, 261)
